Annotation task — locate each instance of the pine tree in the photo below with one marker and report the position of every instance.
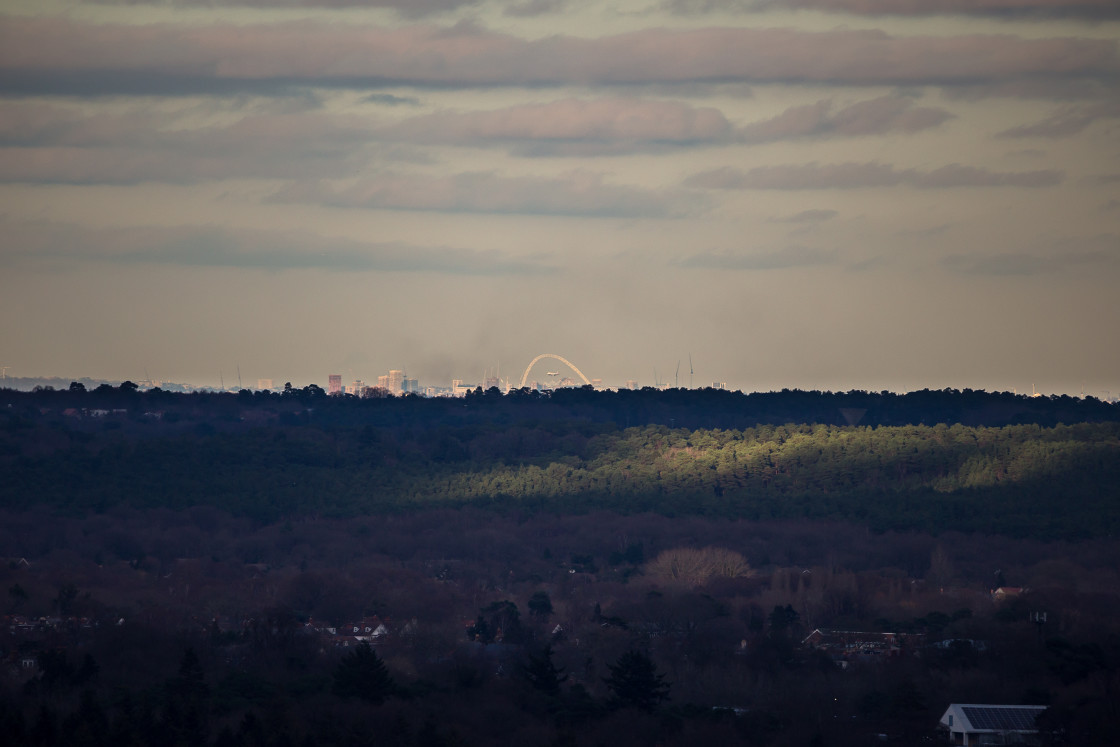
(540, 606)
(543, 674)
(362, 674)
(635, 682)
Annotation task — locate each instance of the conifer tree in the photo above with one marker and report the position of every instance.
(362, 674)
(635, 681)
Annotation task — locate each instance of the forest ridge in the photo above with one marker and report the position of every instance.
(702, 452)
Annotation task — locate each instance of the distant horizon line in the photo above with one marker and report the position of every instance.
(188, 387)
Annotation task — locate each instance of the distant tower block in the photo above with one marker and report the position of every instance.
(631, 384)
(853, 414)
(395, 381)
(264, 383)
(334, 384)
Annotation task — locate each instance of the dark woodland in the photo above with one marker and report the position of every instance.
(569, 568)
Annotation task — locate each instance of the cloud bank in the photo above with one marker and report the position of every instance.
(877, 116)
(1045, 8)
(406, 8)
(571, 127)
(577, 193)
(1067, 122)
(47, 143)
(793, 256)
(867, 175)
(61, 55)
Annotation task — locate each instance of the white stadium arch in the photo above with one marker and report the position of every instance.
(565, 361)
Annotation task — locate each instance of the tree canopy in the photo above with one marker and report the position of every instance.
(361, 674)
(635, 682)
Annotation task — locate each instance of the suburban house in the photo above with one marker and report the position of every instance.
(969, 724)
(372, 630)
(1003, 593)
(845, 646)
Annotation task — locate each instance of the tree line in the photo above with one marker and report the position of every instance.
(1023, 480)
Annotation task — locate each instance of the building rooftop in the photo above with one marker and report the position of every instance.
(973, 717)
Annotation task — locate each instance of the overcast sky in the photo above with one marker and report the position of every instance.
(822, 194)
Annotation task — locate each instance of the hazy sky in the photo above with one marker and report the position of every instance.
(829, 194)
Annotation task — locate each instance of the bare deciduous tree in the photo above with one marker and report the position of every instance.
(696, 566)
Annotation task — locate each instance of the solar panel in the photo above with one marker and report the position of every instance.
(1003, 719)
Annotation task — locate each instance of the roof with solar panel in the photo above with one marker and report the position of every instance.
(973, 718)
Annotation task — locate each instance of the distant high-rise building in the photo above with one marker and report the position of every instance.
(264, 383)
(396, 381)
(411, 386)
(631, 383)
(356, 387)
(392, 382)
(334, 384)
(459, 389)
(597, 383)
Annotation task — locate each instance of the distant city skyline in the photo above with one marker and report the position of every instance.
(547, 382)
(797, 193)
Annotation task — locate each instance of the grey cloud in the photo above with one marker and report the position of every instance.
(54, 144)
(793, 256)
(50, 143)
(391, 100)
(956, 175)
(886, 114)
(194, 246)
(420, 8)
(578, 193)
(807, 176)
(697, 7)
(219, 251)
(536, 8)
(37, 124)
(808, 216)
(1070, 121)
(864, 175)
(1043, 8)
(1039, 88)
(609, 126)
(572, 127)
(797, 121)
(872, 117)
(406, 8)
(52, 54)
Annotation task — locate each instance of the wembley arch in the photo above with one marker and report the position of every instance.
(565, 361)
